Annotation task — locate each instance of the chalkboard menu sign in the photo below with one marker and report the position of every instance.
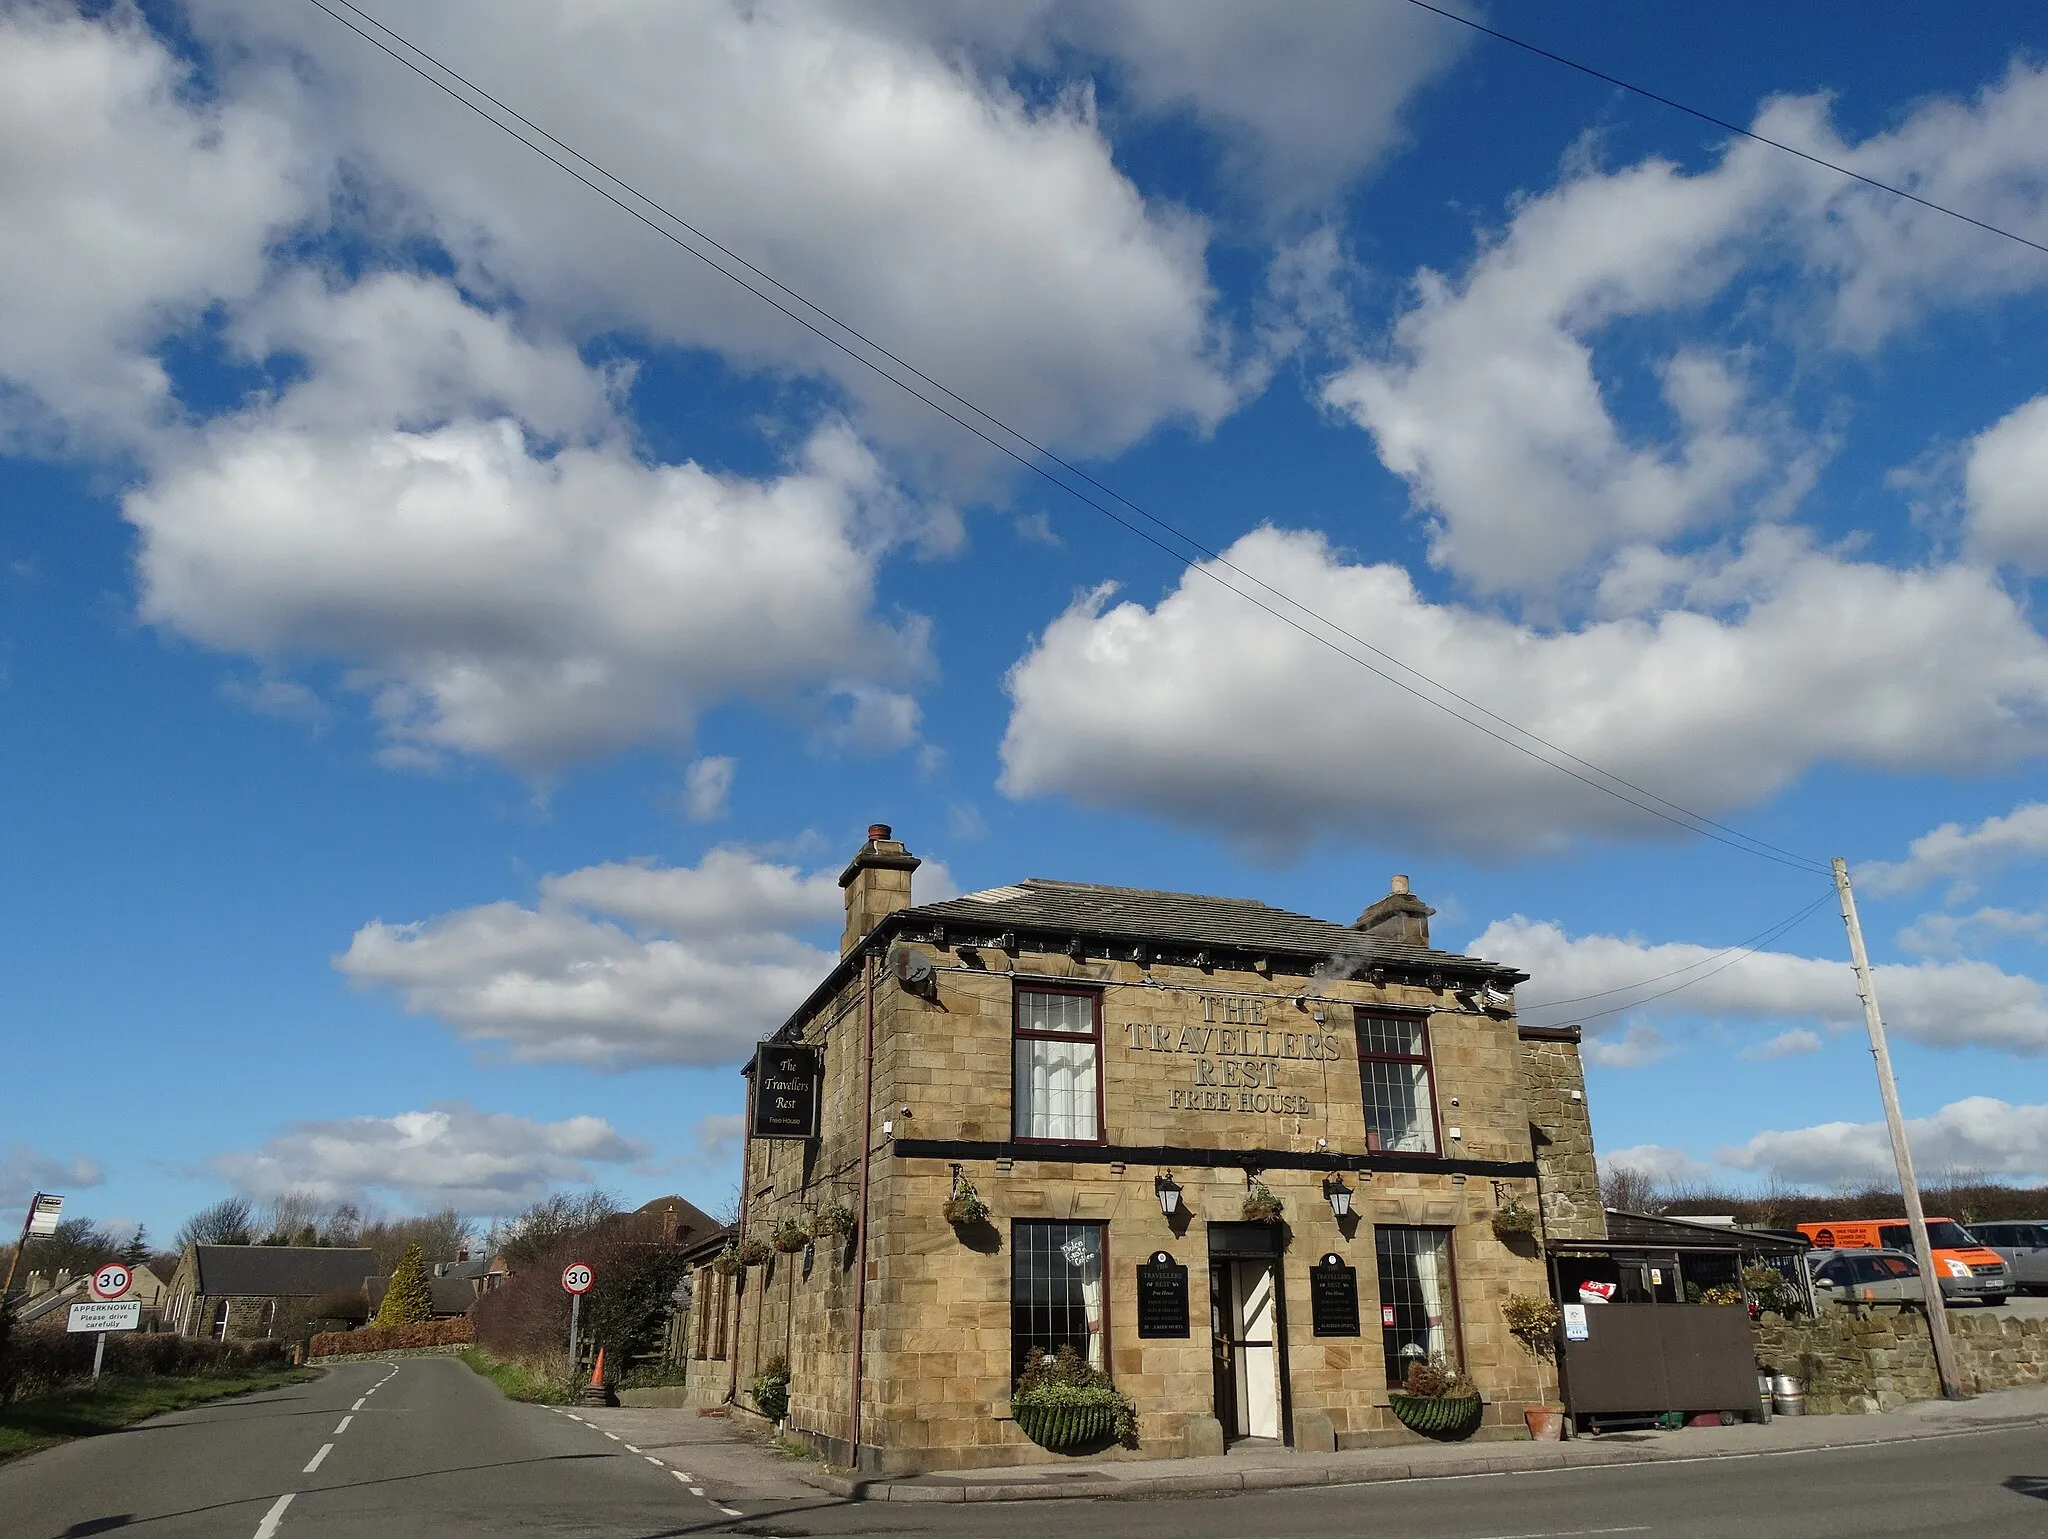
(786, 1083)
(1333, 1296)
(1162, 1296)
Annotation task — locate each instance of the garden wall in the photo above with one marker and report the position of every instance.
(1862, 1358)
(393, 1338)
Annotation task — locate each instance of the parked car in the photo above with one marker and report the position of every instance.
(2023, 1246)
(1967, 1270)
(1874, 1276)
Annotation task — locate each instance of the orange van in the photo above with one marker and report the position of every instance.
(1967, 1270)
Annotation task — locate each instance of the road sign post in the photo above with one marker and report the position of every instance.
(576, 1280)
(102, 1315)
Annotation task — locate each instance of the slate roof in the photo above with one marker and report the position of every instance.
(1645, 1231)
(281, 1271)
(1045, 907)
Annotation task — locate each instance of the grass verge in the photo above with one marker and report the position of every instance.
(113, 1403)
(518, 1381)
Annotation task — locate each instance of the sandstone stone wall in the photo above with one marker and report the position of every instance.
(1561, 1129)
(1234, 1070)
(1864, 1358)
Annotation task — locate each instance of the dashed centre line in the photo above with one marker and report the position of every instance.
(613, 1436)
(343, 1426)
(631, 1449)
(268, 1526)
(359, 1404)
(325, 1450)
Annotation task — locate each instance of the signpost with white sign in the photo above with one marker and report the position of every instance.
(102, 1316)
(576, 1280)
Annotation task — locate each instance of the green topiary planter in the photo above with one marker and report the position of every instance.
(1446, 1420)
(1060, 1427)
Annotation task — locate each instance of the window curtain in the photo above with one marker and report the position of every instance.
(1055, 1088)
(1429, 1283)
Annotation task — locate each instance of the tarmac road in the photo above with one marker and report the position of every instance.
(434, 1451)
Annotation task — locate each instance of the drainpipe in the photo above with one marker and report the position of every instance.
(867, 1143)
(739, 1292)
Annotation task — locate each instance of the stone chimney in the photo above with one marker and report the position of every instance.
(1400, 916)
(877, 883)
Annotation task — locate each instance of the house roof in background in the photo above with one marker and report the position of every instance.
(284, 1271)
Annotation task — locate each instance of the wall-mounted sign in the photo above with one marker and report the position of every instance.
(1387, 1316)
(1575, 1328)
(787, 1083)
(1162, 1297)
(1333, 1296)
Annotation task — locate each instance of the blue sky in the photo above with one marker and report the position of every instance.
(449, 640)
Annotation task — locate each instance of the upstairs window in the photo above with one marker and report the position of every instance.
(1393, 1073)
(1057, 1086)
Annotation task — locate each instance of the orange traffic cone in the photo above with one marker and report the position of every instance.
(597, 1372)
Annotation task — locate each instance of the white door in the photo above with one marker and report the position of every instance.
(1258, 1352)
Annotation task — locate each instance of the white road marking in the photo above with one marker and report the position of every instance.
(359, 1404)
(1573, 1533)
(651, 1459)
(325, 1450)
(613, 1436)
(574, 1417)
(343, 1427)
(696, 1490)
(731, 1512)
(631, 1449)
(269, 1524)
(685, 1479)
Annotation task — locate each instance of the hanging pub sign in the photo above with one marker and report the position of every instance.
(786, 1090)
(1162, 1297)
(1333, 1296)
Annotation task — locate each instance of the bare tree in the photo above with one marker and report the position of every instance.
(1622, 1186)
(225, 1223)
(536, 1231)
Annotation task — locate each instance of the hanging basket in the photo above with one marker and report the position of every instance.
(1060, 1427)
(1447, 1419)
(755, 1252)
(831, 1220)
(1514, 1221)
(1261, 1206)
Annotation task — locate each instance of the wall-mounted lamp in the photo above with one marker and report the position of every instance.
(1168, 1194)
(1340, 1197)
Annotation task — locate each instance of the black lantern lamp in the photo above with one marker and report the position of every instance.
(1168, 1194)
(1339, 1195)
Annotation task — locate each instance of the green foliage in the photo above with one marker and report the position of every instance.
(1534, 1322)
(631, 1299)
(965, 1206)
(1262, 1205)
(790, 1237)
(136, 1251)
(1064, 1379)
(117, 1402)
(755, 1252)
(834, 1218)
(1772, 1290)
(409, 1300)
(1512, 1220)
(517, 1381)
(770, 1389)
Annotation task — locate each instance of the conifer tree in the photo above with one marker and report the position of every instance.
(136, 1251)
(410, 1297)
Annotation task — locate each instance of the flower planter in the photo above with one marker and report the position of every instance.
(1445, 1419)
(1060, 1427)
(1546, 1422)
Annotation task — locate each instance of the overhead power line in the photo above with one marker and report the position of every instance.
(1033, 456)
(1734, 128)
(1734, 953)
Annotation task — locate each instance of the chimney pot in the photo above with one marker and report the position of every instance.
(1400, 884)
(878, 831)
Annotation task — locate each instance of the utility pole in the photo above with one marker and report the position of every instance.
(1937, 1309)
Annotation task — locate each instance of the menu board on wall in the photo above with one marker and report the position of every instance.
(1333, 1296)
(1162, 1297)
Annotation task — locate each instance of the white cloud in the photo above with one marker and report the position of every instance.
(448, 504)
(619, 964)
(719, 1136)
(131, 205)
(2006, 488)
(1207, 712)
(1640, 1044)
(1961, 855)
(1951, 934)
(1491, 400)
(1660, 1164)
(1786, 1044)
(483, 1163)
(1980, 1134)
(989, 239)
(707, 788)
(1941, 1004)
(25, 1171)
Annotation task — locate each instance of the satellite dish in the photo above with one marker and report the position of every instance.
(912, 968)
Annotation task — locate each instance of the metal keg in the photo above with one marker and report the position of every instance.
(1763, 1395)
(1788, 1397)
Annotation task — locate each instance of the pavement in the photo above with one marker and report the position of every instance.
(1269, 1466)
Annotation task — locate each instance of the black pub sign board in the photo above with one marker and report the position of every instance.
(1333, 1296)
(1162, 1297)
(786, 1090)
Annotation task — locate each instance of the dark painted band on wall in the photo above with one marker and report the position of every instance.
(1226, 1159)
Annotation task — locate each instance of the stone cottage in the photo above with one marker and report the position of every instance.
(252, 1292)
(1115, 1072)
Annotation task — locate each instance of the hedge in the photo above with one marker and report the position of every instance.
(37, 1363)
(392, 1338)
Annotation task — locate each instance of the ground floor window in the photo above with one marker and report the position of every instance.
(1055, 1291)
(1417, 1317)
(220, 1320)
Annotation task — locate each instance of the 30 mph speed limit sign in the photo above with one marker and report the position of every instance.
(577, 1277)
(111, 1281)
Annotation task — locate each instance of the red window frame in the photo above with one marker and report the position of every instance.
(1019, 1031)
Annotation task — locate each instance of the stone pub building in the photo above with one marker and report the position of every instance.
(1113, 1071)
